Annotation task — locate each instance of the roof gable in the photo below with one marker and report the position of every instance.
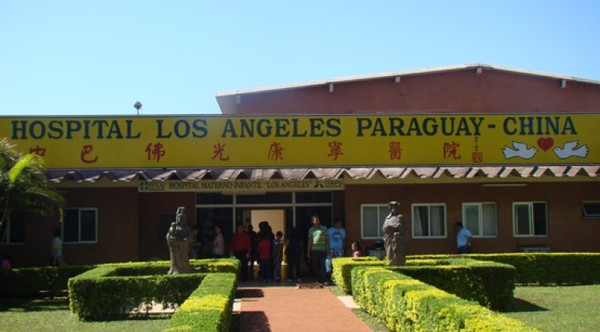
(456, 89)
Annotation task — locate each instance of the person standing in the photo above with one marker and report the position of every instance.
(318, 247)
(194, 245)
(56, 252)
(218, 244)
(337, 239)
(293, 251)
(253, 251)
(277, 255)
(356, 249)
(266, 231)
(463, 239)
(264, 256)
(241, 246)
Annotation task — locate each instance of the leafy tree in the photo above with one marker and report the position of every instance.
(23, 185)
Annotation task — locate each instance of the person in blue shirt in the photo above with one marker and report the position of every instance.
(337, 238)
(463, 239)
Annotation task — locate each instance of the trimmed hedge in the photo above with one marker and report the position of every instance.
(489, 283)
(406, 304)
(342, 269)
(545, 268)
(99, 295)
(51, 279)
(223, 265)
(531, 268)
(33, 280)
(112, 290)
(209, 308)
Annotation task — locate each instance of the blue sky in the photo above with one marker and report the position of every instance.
(100, 57)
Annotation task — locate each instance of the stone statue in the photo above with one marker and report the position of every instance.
(178, 239)
(394, 235)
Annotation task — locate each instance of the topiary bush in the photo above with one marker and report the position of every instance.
(407, 304)
(209, 307)
(112, 290)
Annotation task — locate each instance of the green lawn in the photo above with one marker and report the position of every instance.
(571, 308)
(43, 314)
(558, 308)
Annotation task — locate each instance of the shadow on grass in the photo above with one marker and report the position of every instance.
(520, 305)
(34, 304)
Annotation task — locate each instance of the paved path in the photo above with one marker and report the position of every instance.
(288, 309)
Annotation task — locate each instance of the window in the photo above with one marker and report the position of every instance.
(530, 219)
(591, 209)
(429, 220)
(14, 230)
(372, 217)
(80, 225)
(480, 219)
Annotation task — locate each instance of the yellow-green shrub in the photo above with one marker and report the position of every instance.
(544, 268)
(405, 304)
(209, 308)
(110, 290)
(342, 268)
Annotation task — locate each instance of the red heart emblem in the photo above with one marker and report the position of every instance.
(545, 143)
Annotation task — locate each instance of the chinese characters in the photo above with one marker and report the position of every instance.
(155, 151)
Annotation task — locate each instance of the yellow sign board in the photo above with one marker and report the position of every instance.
(238, 186)
(306, 140)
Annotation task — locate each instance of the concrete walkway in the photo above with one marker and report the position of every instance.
(291, 308)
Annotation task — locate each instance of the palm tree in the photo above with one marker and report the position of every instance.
(23, 185)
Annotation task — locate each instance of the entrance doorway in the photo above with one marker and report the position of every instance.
(275, 218)
(283, 210)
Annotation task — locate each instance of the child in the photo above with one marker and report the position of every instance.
(264, 257)
(278, 254)
(356, 249)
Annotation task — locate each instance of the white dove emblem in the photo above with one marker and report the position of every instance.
(570, 150)
(520, 151)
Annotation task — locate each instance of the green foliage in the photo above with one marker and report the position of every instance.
(212, 265)
(487, 278)
(96, 296)
(26, 281)
(108, 291)
(404, 303)
(545, 268)
(111, 290)
(342, 268)
(209, 307)
(23, 185)
(489, 283)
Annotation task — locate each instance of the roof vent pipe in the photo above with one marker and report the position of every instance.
(563, 84)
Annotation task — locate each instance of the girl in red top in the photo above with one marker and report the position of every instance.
(356, 249)
(264, 256)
